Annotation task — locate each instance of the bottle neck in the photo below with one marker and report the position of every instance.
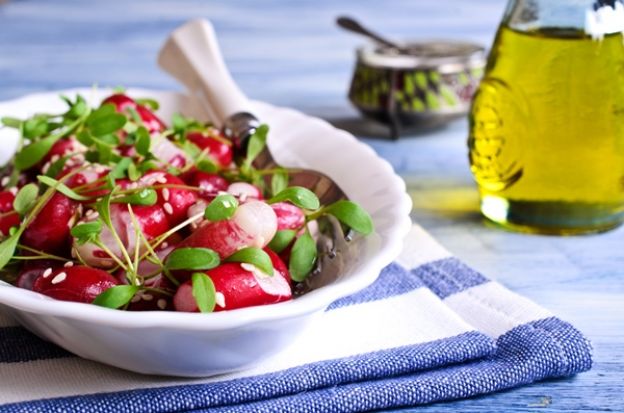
(595, 18)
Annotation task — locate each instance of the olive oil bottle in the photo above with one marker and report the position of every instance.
(547, 131)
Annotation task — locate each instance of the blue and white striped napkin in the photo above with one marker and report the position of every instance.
(429, 329)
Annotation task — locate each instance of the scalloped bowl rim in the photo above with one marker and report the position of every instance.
(313, 301)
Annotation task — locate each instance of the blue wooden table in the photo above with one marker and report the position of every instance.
(290, 53)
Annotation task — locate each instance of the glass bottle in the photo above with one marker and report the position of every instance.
(547, 122)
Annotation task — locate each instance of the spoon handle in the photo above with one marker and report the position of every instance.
(192, 55)
(348, 23)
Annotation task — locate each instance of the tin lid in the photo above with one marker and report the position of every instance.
(443, 55)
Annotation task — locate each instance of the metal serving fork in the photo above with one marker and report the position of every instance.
(192, 55)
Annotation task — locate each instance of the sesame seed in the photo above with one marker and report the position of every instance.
(243, 197)
(5, 181)
(164, 245)
(45, 167)
(27, 141)
(13, 190)
(68, 264)
(148, 297)
(136, 299)
(162, 303)
(161, 179)
(47, 272)
(168, 208)
(165, 194)
(248, 267)
(220, 299)
(60, 277)
(54, 158)
(89, 212)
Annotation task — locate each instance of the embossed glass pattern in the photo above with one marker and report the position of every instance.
(547, 122)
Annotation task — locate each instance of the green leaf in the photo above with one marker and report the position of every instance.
(105, 121)
(302, 258)
(77, 109)
(256, 143)
(192, 259)
(103, 208)
(119, 170)
(221, 208)
(206, 165)
(282, 239)
(133, 172)
(143, 142)
(57, 166)
(62, 188)
(254, 256)
(352, 215)
(178, 122)
(7, 247)
(36, 151)
(10, 122)
(279, 181)
(150, 103)
(204, 292)
(25, 198)
(299, 196)
(144, 196)
(32, 154)
(85, 138)
(104, 153)
(191, 150)
(87, 232)
(117, 296)
(35, 126)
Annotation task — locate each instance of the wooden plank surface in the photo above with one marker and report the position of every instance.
(290, 53)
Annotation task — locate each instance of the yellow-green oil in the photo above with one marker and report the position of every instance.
(547, 132)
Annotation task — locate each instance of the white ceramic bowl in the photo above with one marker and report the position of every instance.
(185, 344)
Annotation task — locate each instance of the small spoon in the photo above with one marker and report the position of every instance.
(352, 25)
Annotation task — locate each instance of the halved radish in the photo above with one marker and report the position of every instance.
(78, 283)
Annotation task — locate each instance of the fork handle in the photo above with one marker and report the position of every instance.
(192, 55)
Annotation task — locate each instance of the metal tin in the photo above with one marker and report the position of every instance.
(428, 86)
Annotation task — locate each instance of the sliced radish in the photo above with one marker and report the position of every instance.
(240, 285)
(244, 191)
(288, 215)
(253, 225)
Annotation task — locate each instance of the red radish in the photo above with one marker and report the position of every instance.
(32, 269)
(78, 283)
(253, 225)
(244, 191)
(174, 201)
(8, 216)
(150, 120)
(88, 179)
(211, 184)
(288, 215)
(152, 223)
(122, 102)
(49, 231)
(218, 148)
(240, 285)
(62, 147)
